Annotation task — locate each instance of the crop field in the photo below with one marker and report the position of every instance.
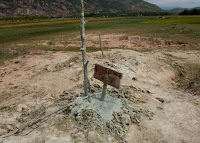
(41, 72)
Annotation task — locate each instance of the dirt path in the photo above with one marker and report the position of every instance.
(34, 86)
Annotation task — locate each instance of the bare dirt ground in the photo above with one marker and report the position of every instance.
(34, 86)
(117, 40)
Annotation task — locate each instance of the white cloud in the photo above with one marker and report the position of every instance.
(176, 3)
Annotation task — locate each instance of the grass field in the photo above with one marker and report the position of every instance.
(178, 20)
(14, 33)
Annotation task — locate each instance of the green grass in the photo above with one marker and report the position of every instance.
(4, 55)
(20, 33)
(7, 108)
(70, 49)
(16, 31)
(24, 17)
(180, 20)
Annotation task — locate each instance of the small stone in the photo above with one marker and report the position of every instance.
(16, 62)
(148, 113)
(10, 128)
(23, 108)
(162, 100)
(126, 119)
(134, 78)
(148, 92)
(96, 85)
(71, 64)
(160, 108)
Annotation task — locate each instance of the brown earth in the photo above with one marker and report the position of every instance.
(37, 85)
(118, 41)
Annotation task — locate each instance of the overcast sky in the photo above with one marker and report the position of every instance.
(176, 3)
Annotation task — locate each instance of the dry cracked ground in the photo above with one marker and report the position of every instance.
(155, 110)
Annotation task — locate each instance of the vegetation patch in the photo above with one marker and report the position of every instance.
(10, 53)
(5, 108)
(25, 17)
(188, 77)
(28, 32)
(191, 12)
(181, 20)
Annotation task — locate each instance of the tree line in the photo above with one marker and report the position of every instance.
(191, 12)
(102, 14)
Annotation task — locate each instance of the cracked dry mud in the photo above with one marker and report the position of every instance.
(153, 109)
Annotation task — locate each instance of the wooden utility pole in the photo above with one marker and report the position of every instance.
(83, 49)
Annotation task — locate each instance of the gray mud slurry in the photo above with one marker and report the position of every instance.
(104, 108)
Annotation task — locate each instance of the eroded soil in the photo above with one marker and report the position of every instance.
(154, 110)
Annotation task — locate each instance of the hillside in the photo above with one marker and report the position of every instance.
(72, 7)
(197, 7)
(178, 10)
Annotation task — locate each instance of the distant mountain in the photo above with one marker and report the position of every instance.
(72, 7)
(178, 10)
(167, 8)
(197, 7)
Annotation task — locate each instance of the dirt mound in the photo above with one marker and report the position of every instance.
(118, 127)
(153, 110)
(88, 123)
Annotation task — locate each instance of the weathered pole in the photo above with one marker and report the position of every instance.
(101, 44)
(104, 88)
(83, 49)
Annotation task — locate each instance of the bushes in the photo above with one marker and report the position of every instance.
(120, 14)
(191, 12)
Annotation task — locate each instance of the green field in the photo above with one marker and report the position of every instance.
(15, 33)
(178, 20)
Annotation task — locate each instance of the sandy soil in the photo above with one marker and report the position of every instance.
(37, 85)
